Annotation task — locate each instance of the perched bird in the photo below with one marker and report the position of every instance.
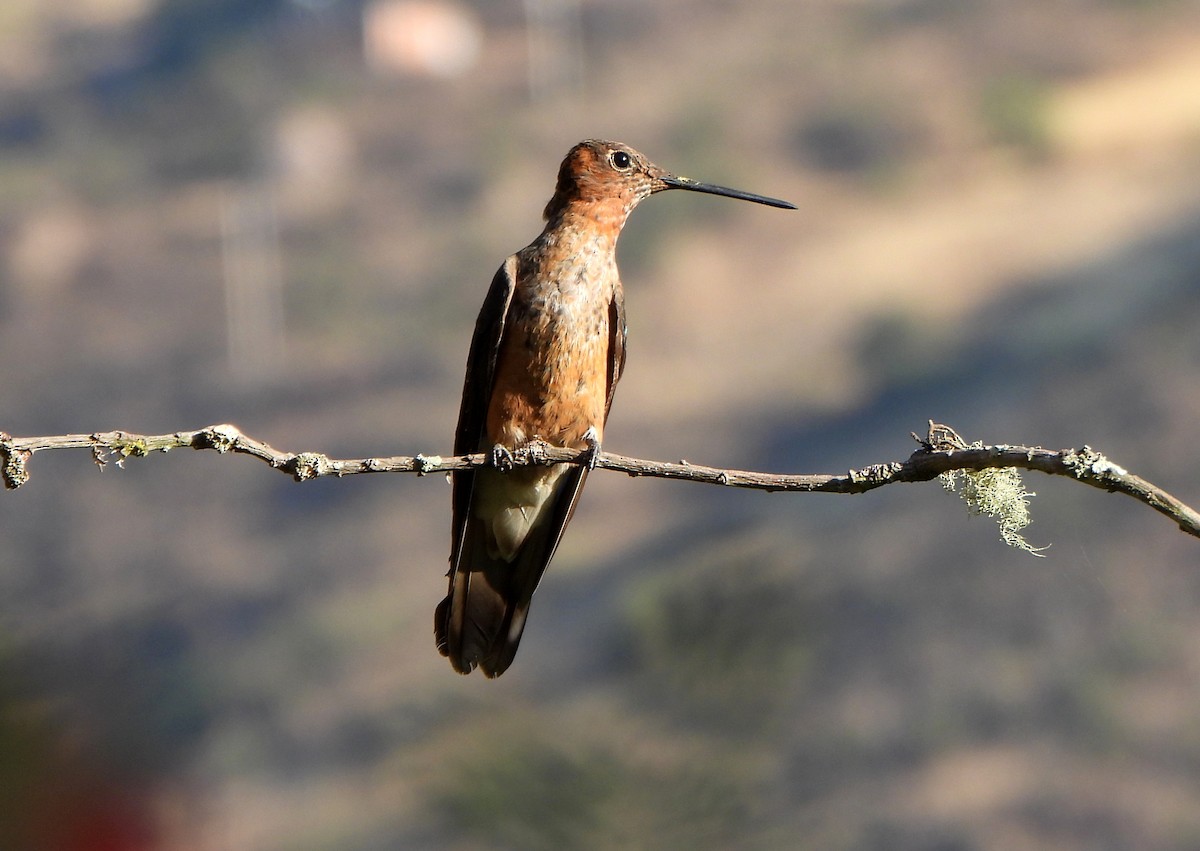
(548, 350)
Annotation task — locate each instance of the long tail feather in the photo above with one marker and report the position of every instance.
(482, 618)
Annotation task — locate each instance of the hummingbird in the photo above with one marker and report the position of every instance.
(545, 359)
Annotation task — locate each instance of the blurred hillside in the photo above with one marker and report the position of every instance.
(284, 214)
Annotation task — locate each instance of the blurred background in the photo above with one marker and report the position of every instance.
(285, 213)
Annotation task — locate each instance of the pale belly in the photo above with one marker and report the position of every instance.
(512, 503)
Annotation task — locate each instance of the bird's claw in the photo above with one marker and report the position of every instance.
(502, 458)
(592, 454)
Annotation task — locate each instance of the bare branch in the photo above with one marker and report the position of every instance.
(941, 452)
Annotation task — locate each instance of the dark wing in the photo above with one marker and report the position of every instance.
(477, 390)
(481, 362)
(449, 620)
(617, 332)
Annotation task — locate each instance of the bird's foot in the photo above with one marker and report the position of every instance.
(592, 455)
(502, 458)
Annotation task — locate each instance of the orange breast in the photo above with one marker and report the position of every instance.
(551, 377)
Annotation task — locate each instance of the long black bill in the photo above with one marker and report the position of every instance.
(687, 183)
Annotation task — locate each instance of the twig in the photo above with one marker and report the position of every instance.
(941, 452)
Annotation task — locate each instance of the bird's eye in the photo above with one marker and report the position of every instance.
(621, 160)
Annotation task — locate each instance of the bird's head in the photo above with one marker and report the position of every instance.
(611, 178)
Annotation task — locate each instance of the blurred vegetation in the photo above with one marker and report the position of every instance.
(1016, 114)
(730, 616)
(523, 793)
(869, 139)
(518, 790)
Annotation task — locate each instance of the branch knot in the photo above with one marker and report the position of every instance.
(1088, 463)
(13, 461)
(224, 437)
(309, 465)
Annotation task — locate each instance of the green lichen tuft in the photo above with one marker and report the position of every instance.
(999, 494)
